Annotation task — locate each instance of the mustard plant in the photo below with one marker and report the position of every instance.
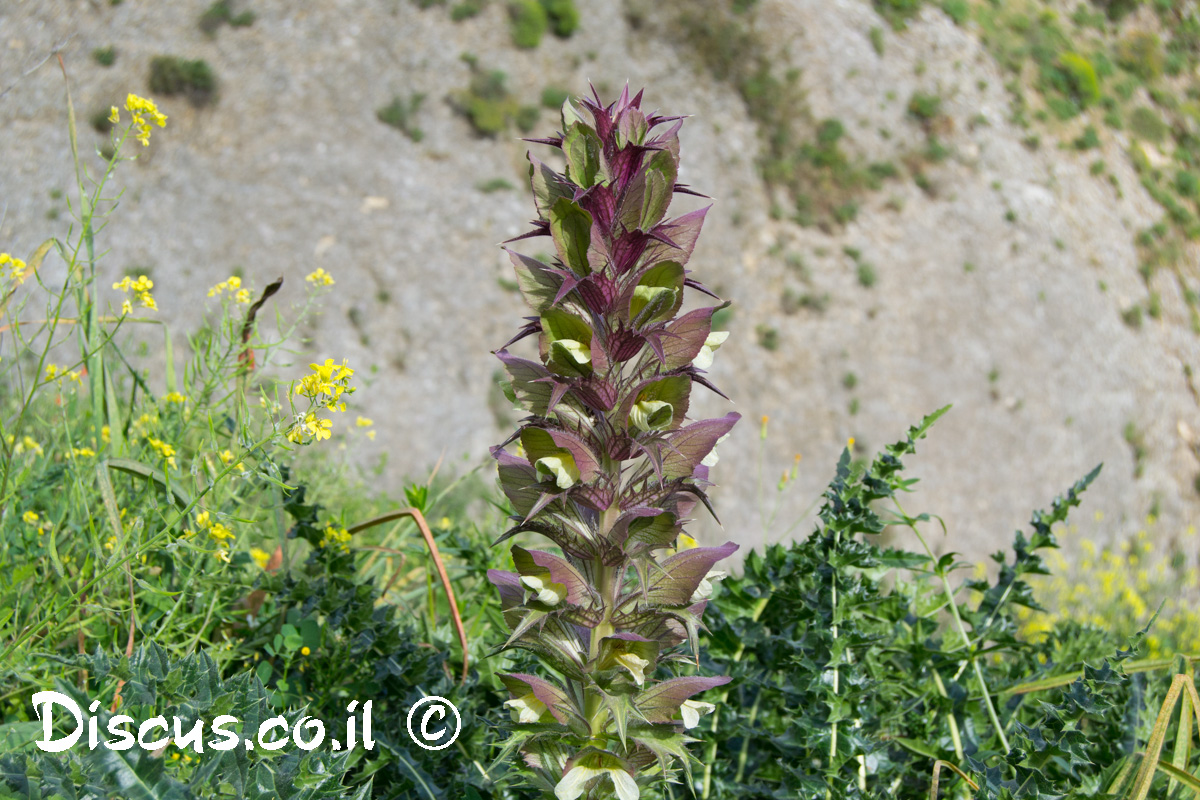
(607, 466)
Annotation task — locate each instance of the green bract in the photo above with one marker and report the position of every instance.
(608, 465)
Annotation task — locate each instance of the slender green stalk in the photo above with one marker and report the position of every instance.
(962, 630)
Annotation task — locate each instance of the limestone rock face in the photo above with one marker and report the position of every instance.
(1015, 318)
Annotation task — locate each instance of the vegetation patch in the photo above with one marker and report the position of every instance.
(221, 13)
(193, 79)
(488, 105)
(401, 115)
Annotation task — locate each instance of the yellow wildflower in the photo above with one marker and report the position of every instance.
(27, 444)
(320, 428)
(218, 532)
(260, 556)
(141, 108)
(336, 537)
(304, 651)
(30, 517)
(223, 555)
(231, 284)
(53, 371)
(16, 267)
(319, 278)
(111, 543)
(175, 397)
(165, 450)
(126, 307)
(105, 434)
(243, 296)
(82, 452)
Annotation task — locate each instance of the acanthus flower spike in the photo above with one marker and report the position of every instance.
(607, 465)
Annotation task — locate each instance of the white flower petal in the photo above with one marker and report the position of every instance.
(627, 788)
(692, 710)
(574, 782)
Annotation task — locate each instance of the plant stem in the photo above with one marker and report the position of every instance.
(962, 629)
(711, 754)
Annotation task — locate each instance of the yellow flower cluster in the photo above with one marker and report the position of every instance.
(54, 372)
(226, 457)
(164, 450)
(141, 426)
(311, 426)
(16, 267)
(327, 384)
(83, 452)
(27, 445)
(363, 422)
(140, 287)
(217, 531)
(32, 518)
(325, 388)
(319, 278)
(140, 108)
(260, 556)
(1119, 588)
(336, 537)
(175, 397)
(233, 285)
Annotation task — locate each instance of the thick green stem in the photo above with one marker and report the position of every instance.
(607, 578)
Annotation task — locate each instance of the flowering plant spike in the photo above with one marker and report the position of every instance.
(607, 465)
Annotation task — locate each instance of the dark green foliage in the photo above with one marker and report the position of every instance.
(554, 97)
(1187, 184)
(1132, 317)
(361, 648)
(467, 9)
(768, 337)
(526, 118)
(221, 13)
(898, 12)
(99, 120)
(1087, 140)
(105, 56)
(400, 114)
(924, 107)
(1117, 9)
(528, 23)
(866, 274)
(487, 104)
(171, 75)
(1075, 76)
(816, 637)
(189, 688)
(563, 15)
(957, 10)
